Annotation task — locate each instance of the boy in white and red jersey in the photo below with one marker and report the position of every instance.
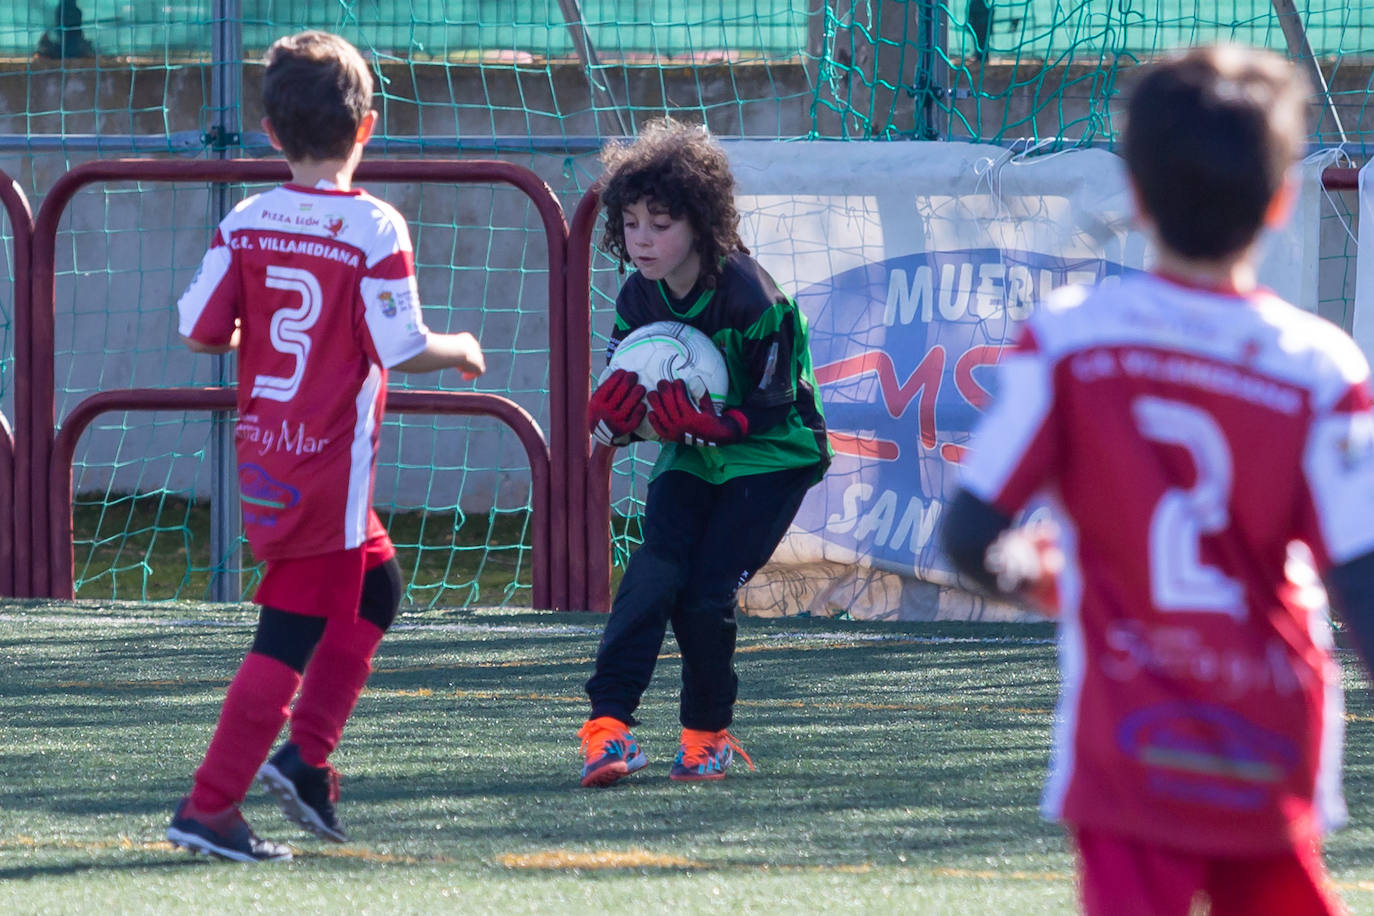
(1206, 444)
(313, 283)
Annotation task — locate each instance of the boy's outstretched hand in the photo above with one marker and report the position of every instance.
(471, 361)
(616, 408)
(1027, 562)
(459, 351)
(676, 419)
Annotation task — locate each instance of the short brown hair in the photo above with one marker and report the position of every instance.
(680, 168)
(1209, 135)
(316, 92)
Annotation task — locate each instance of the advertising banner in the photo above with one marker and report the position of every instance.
(915, 264)
(1363, 318)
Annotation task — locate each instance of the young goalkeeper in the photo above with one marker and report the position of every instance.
(726, 486)
(1194, 429)
(314, 284)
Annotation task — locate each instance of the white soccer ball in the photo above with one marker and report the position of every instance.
(671, 350)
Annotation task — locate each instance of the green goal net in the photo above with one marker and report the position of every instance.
(453, 489)
(541, 84)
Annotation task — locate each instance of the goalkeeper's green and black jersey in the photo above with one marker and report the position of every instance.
(763, 336)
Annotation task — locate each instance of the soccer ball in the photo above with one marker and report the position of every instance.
(671, 350)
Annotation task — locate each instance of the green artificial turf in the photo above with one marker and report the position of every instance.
(899, 768)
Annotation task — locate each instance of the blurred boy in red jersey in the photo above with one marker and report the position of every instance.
(1205, 443)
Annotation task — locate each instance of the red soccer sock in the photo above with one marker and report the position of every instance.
(334, 679)
(255, 708)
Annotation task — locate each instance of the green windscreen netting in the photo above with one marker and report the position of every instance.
(982, 69)
(540, 84)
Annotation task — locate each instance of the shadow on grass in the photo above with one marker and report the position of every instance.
(464, 748)
(176, 861)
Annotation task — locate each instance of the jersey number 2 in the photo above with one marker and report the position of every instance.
(1179, 580)
(288, 330)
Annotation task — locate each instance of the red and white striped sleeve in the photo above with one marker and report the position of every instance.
(390, 294)
(1337, 517)
(1014, 450)
(207, 310)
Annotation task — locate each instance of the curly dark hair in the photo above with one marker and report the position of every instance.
(681, 168)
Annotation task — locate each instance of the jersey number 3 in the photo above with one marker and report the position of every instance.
(288, 330)
(1179, 580)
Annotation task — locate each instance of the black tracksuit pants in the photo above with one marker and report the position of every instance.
(702, 541)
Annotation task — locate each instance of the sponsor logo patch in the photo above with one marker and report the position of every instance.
(259, 488)
(1207, 754)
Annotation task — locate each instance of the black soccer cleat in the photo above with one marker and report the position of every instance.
(224, 834)
(306, 794)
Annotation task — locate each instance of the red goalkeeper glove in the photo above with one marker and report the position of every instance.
(616, 407)
(676, 419)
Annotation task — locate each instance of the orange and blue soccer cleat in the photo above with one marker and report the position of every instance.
(610, 750)
(705, 755)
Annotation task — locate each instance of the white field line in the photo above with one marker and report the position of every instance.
(836, 636)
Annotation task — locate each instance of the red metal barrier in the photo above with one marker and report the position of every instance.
(599, 529)
(16, 504)
(589, 573)
(1341, 179)
(7, 526)
(60, 498)
(35, 364)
